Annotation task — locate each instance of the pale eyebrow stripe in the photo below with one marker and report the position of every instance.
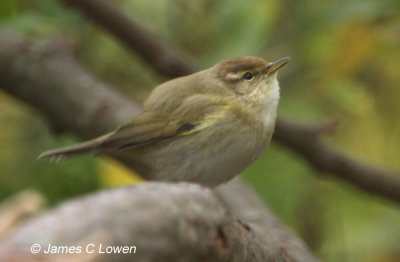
(232, 76)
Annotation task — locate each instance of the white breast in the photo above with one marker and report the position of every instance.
(270, 99)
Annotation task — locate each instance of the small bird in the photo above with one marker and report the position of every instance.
(206, 127)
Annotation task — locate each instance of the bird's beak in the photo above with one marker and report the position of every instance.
(274, 66)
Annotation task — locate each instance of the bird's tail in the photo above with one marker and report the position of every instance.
(74, 150)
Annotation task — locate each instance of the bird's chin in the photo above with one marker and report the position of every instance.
(270, 78)
(273, 76)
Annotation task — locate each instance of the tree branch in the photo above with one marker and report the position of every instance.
(279, 240)
(306, 141)
(50, 79)
(307, 144)
(164, 59)
(194, 226)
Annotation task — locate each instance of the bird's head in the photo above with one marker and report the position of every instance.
(247, 75)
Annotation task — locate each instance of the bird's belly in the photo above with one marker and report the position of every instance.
(209, 158)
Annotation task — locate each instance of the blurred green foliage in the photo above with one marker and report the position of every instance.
(346, 60)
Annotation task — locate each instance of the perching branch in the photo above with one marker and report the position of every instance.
(50, 79)
(248, 207)
(164, 222)
(306, 143)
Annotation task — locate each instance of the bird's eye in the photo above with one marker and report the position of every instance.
(248, 76)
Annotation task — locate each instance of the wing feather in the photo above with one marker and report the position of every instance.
(155, 126)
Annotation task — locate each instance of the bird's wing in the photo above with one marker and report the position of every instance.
(155, 126)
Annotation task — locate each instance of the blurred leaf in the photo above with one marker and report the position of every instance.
(112, 174)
